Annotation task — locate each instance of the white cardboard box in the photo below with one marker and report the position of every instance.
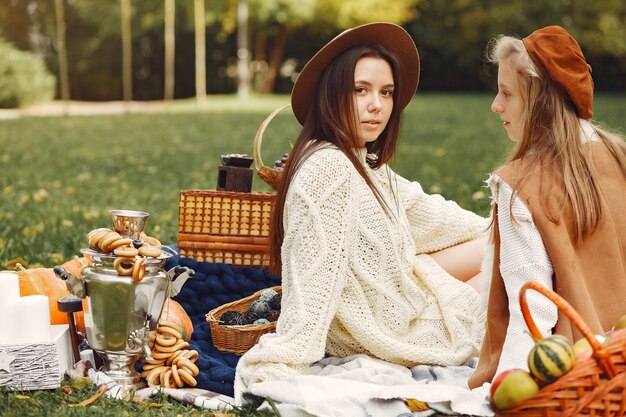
(32, 366)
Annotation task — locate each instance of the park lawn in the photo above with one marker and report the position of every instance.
(61, 175)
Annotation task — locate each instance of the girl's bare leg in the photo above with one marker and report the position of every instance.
(463, 261)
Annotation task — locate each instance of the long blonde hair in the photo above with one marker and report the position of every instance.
(550, 131)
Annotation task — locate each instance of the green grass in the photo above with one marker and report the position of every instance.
(62, 403)
(61, 175)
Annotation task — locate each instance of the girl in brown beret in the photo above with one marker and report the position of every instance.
(559, 202)
(353, 238)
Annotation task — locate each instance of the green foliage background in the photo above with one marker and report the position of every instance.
(451, 36)
(24, 78)
(61, 175)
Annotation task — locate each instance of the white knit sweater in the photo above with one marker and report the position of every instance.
(523, 258)
(352, 282)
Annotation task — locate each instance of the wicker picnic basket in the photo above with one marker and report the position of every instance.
(226, 227)
(595, 386)
(238, 339)
(267, 174)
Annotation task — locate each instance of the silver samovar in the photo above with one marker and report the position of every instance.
(121, 312)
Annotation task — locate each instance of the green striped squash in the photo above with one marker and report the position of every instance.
(551, 357)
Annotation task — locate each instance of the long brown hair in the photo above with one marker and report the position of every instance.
(550, 132)
(331, 120)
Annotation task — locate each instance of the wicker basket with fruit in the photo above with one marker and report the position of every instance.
(561, 382)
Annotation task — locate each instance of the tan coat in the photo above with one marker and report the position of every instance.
(590, 276)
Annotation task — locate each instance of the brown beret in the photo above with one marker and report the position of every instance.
(389, 35)
(559, 57)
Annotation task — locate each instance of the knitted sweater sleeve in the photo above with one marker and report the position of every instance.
(523, 258)
(436, 223)
(314, 260)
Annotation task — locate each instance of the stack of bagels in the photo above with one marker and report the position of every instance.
(172, 364)
(130, 254)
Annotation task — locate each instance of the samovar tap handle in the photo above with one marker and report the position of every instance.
(73, 284)
(179, 275)
(174, 272)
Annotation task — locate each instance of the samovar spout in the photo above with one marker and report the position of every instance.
(73, 284)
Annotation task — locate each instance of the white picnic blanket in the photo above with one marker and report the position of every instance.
(363, 386)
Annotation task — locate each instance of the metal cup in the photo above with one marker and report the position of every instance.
(129, 222)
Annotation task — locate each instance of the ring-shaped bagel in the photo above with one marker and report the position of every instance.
(127, 251)
(124, 241)
(119, 263)
(107, 240)
(149, 240)
(98, 230)
(179, 382)
(192, 355)
(190, 366)
(94, 240)
(187, 378)
(139, 269)
(170, 330)
(167, 349)
(150, 366)
(154, 376)
(164, 339)
(165, 376)
(161, 356)
(173, 355)
(167, 323)
(150, 251)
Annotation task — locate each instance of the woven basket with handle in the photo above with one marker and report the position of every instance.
(595, 386)
(267, 174)
(238, 339)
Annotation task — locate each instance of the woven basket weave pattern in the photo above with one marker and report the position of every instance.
(595, 387)
(226, 227)
(238, 339)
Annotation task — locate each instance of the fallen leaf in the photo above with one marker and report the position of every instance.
(415, 405)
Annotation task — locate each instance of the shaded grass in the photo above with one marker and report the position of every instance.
(61, 175)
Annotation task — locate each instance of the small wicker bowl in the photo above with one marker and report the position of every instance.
(238, 339)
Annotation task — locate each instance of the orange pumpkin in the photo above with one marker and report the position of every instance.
(173, 311)
(43, 281)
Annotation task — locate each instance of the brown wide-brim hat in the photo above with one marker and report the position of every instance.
(559, 57)
(391, 36)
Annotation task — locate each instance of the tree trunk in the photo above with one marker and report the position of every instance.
(260, 60)
(275, 59)
(127, 69)
(169, 50)
(243, 52)
(63, 72)
(200, 28)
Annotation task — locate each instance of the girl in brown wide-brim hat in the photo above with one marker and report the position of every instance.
(351, 238)
(559, 201)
